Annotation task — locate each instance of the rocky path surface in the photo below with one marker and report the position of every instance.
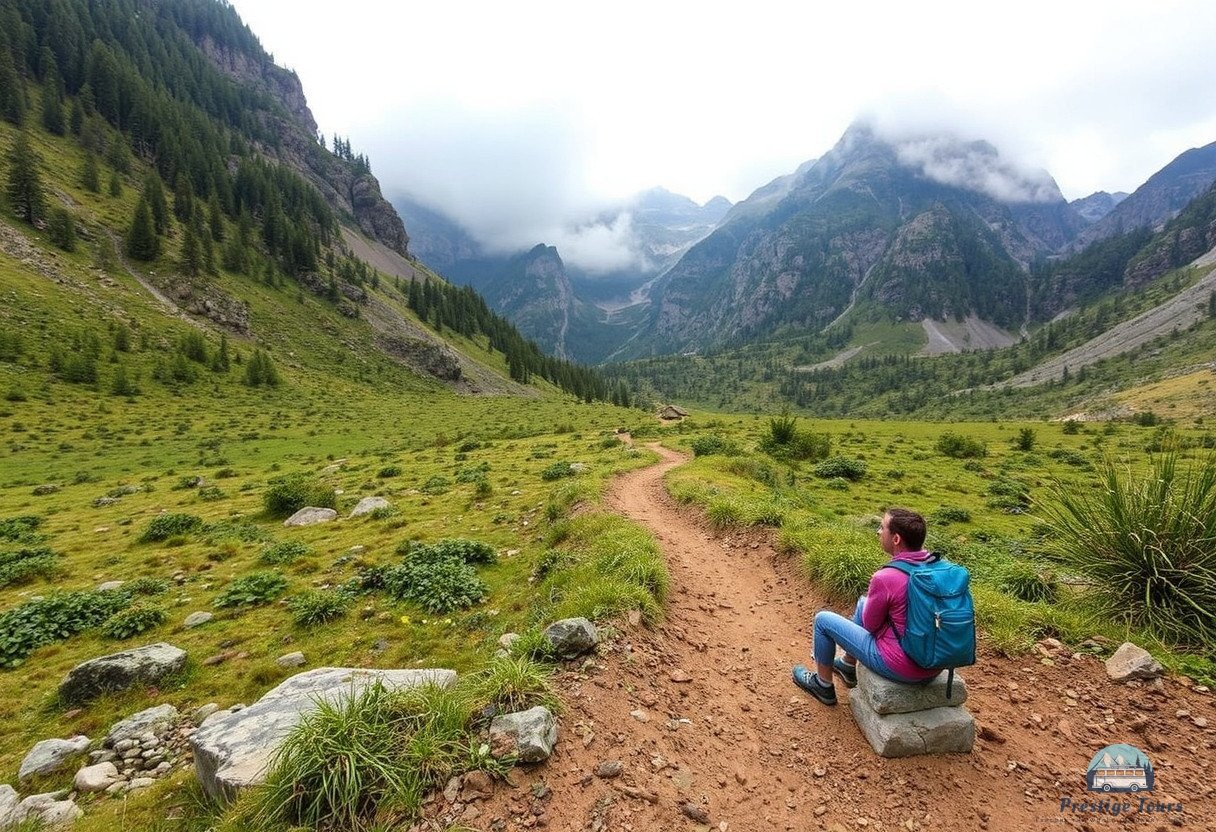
(696, 725)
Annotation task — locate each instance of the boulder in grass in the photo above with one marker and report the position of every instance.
(156, 720)
(96, 778)
(1131, 662)
(310, 516)
(197, 619)
(571, 637)
(369, 504)
(232, 748)
(119, 671)
(48, 810)
(50, 756)
(528, 736)
(9, 799)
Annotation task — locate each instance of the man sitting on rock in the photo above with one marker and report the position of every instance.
(870, 637)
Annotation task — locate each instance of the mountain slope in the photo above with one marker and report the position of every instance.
(930, 227)
(1159, 199)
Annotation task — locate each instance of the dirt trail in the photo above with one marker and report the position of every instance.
(701, 713)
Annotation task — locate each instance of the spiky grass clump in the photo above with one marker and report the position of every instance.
(511, 684)
(314, 607)
(1147, 544)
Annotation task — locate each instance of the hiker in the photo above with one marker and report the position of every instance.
(870, 637)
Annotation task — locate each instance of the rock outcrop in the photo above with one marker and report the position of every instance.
(232, 749)
(119, 671)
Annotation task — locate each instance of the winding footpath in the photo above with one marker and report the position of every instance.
(710, 733)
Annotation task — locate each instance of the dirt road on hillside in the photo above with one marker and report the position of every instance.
(709, 732)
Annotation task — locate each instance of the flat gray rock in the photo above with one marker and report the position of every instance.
(528, 735)
(369, 504)
(295, 659)
(49, 756)
(197, 619)
(935, 731)
(887, 697)
(157, 720)
(49, 809)
(310, 516)
(110, 586)
(233, 747)
(572, 637)
(119, 671)
(1131, 662)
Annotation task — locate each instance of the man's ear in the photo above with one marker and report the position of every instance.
(896, 539)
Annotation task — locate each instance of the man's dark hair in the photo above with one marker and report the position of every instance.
(909, 525)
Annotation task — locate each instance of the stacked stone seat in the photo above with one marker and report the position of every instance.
(902, 720)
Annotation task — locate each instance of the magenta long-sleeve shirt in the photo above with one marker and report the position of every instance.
(887, 602)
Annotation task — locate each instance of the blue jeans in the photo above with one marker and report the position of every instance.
(831, 629)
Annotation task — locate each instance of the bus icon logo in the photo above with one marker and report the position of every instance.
(1120, 768)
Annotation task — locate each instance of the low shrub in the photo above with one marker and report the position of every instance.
(288, 494)
(20, 529)
(253, 590)
(960, 447)
(437, 580)
(1069, 458)
(472, 473)
(284, 552)
(146, 586)
(389, 471)
(1009, 495)
(170, 525)
(711, 445)
(557, 471)
(462, 549)
(133, 621)
(25, 564)
(436, 485)
(841, 466)
(318, 607)
(950, 514)
(56, 617)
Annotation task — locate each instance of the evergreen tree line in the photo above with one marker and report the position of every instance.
(461, 310)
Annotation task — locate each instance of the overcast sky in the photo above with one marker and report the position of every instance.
(516, 117)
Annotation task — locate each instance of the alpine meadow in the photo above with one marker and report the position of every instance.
(312, 517)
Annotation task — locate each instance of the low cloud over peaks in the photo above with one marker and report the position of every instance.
(976, 166)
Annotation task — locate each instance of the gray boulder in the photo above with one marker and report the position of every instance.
(572, 637)
(50, 756)
(1131, 662)
(50, 810)
(232, 748)
(119, 671)
(156, 721)
(369, 504)
(9, 799)
(110, 586)
(529, 735)
(310, 516)
(197, 619)
(887, 697)
(295, 659)
(96, 778)
(934, 731)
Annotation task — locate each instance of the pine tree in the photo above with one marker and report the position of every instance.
(142, 242)
(52, 108)
(192, 256)
(90, 176)
(12, 90)
(61, 228)
(183, 198)
(115, 184)
(221, 361)
(154, 193)
(215, 218)
(24, 186)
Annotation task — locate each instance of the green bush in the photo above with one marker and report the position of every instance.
(1072, 427)
(253, 590)
(133, 621)
(56, 617)
(389, 471)
(1070, 458)
(1025, 440)
(288, 494)
(841, 466)
(473, 473)
(1009, 495)
(711, 445)
(1145, 541)
(437, 579)
(318, 607)
(170, 525)
(146, 586)
(457, 548)
(25, 564)
(556, 471)
(283, 552)
(436, 485)
(960, 447)
(951, 514)
(782, 427)
(20, 529)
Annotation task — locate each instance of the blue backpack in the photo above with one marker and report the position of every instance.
(940, 630)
